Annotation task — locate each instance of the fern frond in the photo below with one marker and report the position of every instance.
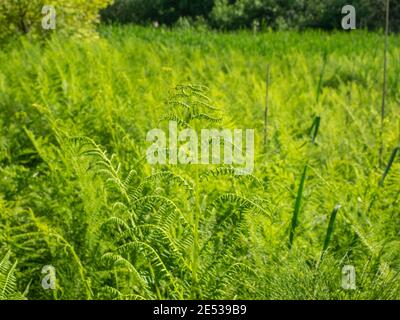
(228, 171)
(8, 281)
(240, 202)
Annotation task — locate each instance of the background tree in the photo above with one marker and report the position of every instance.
(239, 14)
(73, 17)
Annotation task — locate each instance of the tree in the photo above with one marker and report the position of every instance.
(73, 17)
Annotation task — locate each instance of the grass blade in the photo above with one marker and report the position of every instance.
(297, 206)
(389, 166)
(329, 232)
(321, 75)
(315, 129)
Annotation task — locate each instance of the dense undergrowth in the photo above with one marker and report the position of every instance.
(77, 193)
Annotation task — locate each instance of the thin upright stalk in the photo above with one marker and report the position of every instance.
(384, 89)
(266, 111)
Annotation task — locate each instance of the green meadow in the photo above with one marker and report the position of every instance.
(77, 193)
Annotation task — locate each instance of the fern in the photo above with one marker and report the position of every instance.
(8, 281)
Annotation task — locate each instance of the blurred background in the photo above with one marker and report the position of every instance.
(239, 14)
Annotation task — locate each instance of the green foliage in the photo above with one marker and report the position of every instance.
(300, 14)
(8, 282)
(163, 11)
(75, 17)
(77, 193)
(329, 232)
